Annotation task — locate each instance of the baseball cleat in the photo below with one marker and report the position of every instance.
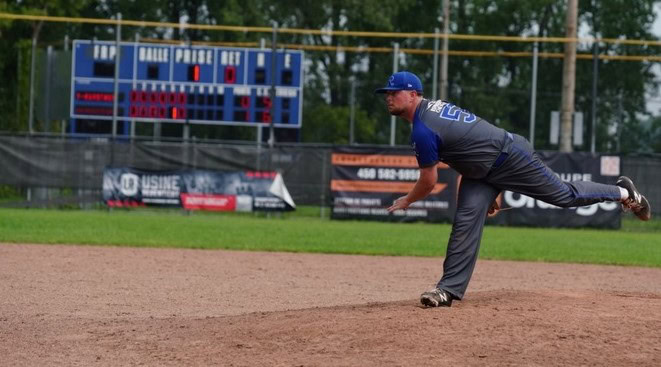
(636, 202)
(436, 298)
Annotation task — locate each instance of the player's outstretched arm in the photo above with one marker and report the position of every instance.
(422, 188)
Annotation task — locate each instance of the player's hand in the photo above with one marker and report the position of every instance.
(494, 208)
(400, 203)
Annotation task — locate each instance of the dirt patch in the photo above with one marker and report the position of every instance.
(80, 305)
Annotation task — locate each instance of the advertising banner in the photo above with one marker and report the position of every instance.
(365, 183)
(196, 189)
(579, 166)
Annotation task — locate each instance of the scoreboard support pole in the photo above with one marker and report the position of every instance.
(63, 122)
(272, 109)
(186, 132)
(259, 147)
(136, 41)
(116, 81)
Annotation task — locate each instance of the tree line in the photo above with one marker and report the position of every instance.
(495, 88)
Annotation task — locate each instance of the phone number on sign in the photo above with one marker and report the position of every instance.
(401, 174)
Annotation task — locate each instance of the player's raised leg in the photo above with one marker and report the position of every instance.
(525, 173)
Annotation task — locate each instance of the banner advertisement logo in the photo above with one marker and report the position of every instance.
(129, 184)
(197, 190)
(365, 183)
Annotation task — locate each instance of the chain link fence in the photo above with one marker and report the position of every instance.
(52, 171)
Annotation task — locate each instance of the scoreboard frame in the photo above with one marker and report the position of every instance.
(187, 84)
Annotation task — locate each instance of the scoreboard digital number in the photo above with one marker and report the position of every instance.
(186, 84)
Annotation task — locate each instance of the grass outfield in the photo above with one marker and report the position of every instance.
(636, 244)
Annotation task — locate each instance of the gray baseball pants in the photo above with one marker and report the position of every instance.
(523, 172)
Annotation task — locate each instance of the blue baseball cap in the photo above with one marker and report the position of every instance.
(402, 80)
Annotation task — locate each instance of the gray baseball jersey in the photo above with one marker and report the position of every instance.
(462, 140)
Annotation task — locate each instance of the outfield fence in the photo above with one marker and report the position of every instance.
(52, 171)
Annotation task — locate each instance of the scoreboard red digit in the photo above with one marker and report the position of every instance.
(186, 84)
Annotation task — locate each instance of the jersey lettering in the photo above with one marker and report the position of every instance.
(454, 113)
(451, 112)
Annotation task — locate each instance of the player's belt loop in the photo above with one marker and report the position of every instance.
(509, 139)
(499, 161)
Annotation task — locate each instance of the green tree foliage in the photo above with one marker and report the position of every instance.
(15, 41)
(622, 84)
(329, 73)
(496, 88)
(332, 124)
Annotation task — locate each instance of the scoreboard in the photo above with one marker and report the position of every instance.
(186, 84)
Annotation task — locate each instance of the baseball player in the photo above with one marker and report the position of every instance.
(489, 160)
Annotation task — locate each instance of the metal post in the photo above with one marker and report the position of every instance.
(444, 66)
(352, 113)
(435, 74)
(324, 183)
(118, 34)
(18, 87)
(620, 122)
(47, 76)
(395, 65)
(533, 93)
(568, 78)
(32, 77)
(272, 109)
(136, 39)
(259, 127)
(259, 147)
(595, 77)
(186, 132)
(64, 121)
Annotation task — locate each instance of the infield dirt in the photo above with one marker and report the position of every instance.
(109, 306)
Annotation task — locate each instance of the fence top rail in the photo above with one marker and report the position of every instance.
(107, 140)
(417, 51)
(245, 29)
